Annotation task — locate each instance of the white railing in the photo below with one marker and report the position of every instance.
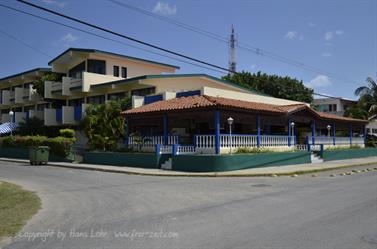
(275, 140)
(166, 149)
(238, 140)
(227, 141)
(205, 141)
(342, 140)
(301, 147)
(185, 149)
(358, 140)
(338, 140)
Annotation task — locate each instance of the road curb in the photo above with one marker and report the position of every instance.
(215, 174)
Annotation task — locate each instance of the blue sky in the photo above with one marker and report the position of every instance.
(337, 36)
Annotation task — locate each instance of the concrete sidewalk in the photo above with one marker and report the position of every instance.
(265, 171)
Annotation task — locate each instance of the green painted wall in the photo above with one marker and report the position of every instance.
(143, 160)
(211, 163)
(23, 153)
(330, 155)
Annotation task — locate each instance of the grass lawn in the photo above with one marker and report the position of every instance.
(17, 206)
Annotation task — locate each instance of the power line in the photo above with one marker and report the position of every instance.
(117, 34)
(107, 38)
(242, 45)
(24, 43)
(124, 36)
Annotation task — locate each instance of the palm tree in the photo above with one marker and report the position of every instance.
(368, 96)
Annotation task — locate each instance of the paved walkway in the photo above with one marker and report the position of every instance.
(265, 171)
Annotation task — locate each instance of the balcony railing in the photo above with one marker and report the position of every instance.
(70, 84)
(329, 140)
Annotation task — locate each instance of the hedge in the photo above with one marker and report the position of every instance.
(59, 146)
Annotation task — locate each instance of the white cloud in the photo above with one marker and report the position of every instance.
(291, 34)
(312, 25)
(165, 9)
(326, 54)
(339, 32)
(69, 38)
(253, 66)
(329, 35)
(60, 4)
(319, 81)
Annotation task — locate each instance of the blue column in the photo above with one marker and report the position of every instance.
(313, 131)
(334, 133)
(217, 132)
(165, 117)
(350, 134)
(126, 130)
(289, 132)
(258, 130)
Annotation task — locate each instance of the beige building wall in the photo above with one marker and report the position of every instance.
(252, 97)
(134, 68)
(181, 84)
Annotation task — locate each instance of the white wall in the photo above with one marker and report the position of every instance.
(68, 116)
(246, 96)
(50, 116)
(89, 79)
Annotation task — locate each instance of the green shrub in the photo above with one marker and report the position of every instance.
(68, 133)
(253, 150)
(60, 146)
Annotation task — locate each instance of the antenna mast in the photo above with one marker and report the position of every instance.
(232, 51)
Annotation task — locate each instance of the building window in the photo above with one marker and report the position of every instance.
(97, 66)
(116, 71)
(116, 96)
(124, 72)
(144, 91)
(76, 71)
(332, 108)
(100, 99)
(75, 102)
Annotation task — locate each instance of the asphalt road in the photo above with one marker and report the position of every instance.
(88, 209)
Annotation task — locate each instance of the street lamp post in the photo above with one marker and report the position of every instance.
(293, 131)
(11, 113)
(328, 130)
(230, 122)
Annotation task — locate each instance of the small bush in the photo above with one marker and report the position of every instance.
(253, 150)
(60, 146)
(68, 133)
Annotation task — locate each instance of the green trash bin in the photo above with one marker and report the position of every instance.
(39, 155)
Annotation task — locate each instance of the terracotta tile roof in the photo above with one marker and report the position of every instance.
(193, 102)
(332, 116)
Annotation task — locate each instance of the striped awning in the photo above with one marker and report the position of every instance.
(7, 127)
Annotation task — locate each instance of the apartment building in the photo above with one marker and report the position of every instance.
(17, 94)
(336, 106)
(90, 76)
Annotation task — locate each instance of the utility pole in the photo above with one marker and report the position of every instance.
(232, 52)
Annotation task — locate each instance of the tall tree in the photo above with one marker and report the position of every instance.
(103, 124)
(368, 96)
(273, 85)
